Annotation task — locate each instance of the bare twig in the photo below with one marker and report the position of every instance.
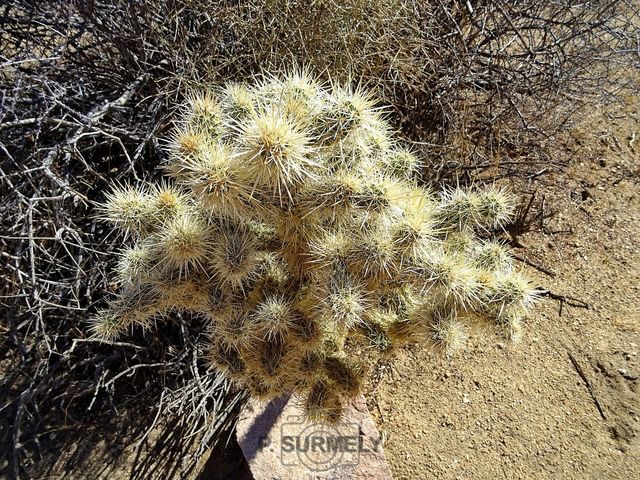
(587, 384)
(526, 261)
(571, 301)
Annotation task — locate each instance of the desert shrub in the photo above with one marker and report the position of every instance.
(67, 123)
(297, 229)
(478, 84)
(87, 88)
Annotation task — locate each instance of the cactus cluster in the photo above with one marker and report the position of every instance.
(295, 224)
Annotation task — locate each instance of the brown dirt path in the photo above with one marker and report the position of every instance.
(564, 402)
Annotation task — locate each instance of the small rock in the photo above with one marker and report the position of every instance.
(626, 375)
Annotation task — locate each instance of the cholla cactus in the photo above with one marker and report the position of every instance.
(296, 226)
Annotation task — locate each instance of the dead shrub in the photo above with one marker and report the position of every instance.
(86, 90)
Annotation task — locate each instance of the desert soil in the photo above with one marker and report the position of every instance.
(564, 402)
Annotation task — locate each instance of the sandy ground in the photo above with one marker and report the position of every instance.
(564, 402)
